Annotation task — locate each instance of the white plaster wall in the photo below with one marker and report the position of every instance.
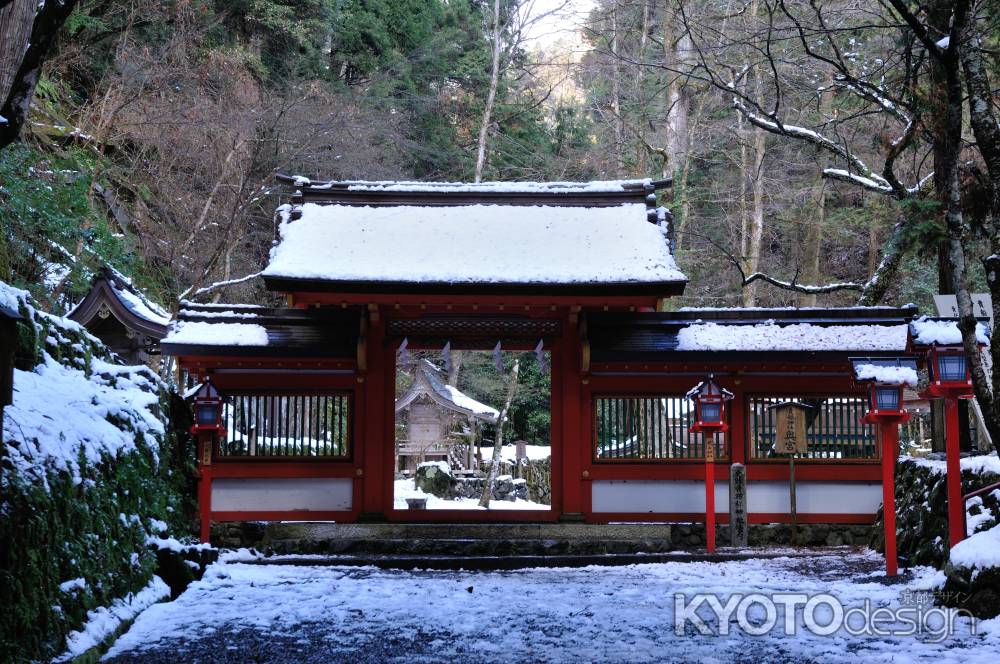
(815, 497)
(762, 497)
(655, 496)
(260, 494)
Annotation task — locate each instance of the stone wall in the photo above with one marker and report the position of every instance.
(763, 535)
(537, 473)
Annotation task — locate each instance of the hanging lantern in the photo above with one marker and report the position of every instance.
(709, 406)
(207, 404)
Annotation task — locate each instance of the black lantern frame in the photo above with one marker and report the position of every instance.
(948, 367)
(207, 405)
(709, 406)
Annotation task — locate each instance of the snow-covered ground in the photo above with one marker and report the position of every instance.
(403, 489)
(247, 612)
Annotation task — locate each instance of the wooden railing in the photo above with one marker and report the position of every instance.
(647, 428)
(287, 426)
(969, 496)
(834, 429)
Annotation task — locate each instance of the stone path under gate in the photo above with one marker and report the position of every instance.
(299, 613)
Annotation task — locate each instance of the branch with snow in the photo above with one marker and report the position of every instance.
(802, 288)
(217, 285)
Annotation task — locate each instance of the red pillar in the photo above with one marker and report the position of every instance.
(956, 506)
(710, 492)
(890, 451)
(572, 446)
(379, 424)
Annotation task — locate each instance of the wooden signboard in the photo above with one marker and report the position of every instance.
(790, 424)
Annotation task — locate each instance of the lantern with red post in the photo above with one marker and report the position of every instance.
(949, 379)
(885, 378)
(207, 404)
(710, 418)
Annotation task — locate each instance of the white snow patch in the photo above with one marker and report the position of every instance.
(979, 550)
(72, 584)
(473, 244)
(142, 307)
(465, 401)
(216, 334)
(406, 488)
(771, 336)
(889, 375)
(103, 621)
(928, 332)
(981, 463)
(58, 411)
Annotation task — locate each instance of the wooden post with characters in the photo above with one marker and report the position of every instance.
(710, 418)
(790, 439)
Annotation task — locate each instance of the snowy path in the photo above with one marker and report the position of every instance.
(269, 613)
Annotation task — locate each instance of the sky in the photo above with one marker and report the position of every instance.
(563, 19)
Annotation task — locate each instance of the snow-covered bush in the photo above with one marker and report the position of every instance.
(88, 472)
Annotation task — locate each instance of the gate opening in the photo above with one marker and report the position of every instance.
(450, 409)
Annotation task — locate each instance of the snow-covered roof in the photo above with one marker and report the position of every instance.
(112, 291)
(217, 334)
(414, 236)
(645, 336)
(242, 330)
(426, 381)
(944, 332)
(601, 186)
(772, 336)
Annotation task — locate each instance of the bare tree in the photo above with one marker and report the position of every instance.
(491, 476)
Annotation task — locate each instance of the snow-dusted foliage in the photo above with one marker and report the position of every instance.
(89, 470)
(79, 407)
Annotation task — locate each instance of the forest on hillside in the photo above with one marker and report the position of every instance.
(800, 136)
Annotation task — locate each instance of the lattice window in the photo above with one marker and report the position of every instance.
(267, 426)
(648, 428)
(833, 428)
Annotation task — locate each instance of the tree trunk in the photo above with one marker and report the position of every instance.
(756, 219)
(491, 476)
(616, 101)
(814, 243)
(48, 20)
(491, 96)
(16, 20)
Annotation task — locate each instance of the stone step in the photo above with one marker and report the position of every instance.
(479, 531)
(512, 562)
(471, 547)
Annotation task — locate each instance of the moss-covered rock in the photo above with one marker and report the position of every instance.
(922, 511)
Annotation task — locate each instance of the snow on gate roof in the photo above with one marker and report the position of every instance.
(782, 333)
(551, 237)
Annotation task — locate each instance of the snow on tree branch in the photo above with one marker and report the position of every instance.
(802, 288)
